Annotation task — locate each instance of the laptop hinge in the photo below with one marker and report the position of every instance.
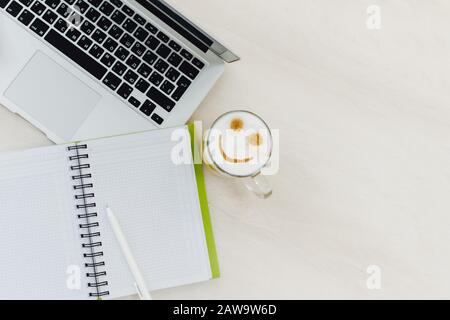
(223, 53)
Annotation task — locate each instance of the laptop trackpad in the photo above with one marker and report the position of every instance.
(52, 95)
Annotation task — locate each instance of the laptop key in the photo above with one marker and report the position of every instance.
(70, 2)
(96, 51)
(175, 46)
(130, 77)
(175, 59)
(53, 3)
(167, 87)
(151, 28)
(110, 45)
(163, 51)
(139, 19)
(133, 61)
(3, 3)
(117, 3)
(152, 42)
(138, 49)
(148, 107)
(119, 68)
(115, 32)
(112, 81)
(87, 27)
(76, 54)
(141, 34)
(127, 40)
(186, 54)
(122, 53)
(39, 27)
(81, 6)
(178, 93)
(26, 17)
(150, 57)
(26, 3)
(73, 34)
(184, 82)
(128, 10)
(161, 66)
(129, 25)
(189, 70)
(108, 60)
(134, 102)
(61, 25)
(14, 8)
(156, 78)
(160, 99)
(199, 64)
(144, 70)
(163, 37)
(142, 85)
(85, 42)
(157, 118)
(106, 8)
(95, 3)
(92, 15)
(49, 16)
(172, 74)
(125, 91)
(183, 85)
(104, 23)
(99, 36)
(38, 8)
(64, 10)
(118, 17)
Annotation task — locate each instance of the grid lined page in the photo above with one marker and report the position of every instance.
(157, 205)
(37, 231)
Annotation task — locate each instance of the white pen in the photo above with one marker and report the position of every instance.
(140, 285)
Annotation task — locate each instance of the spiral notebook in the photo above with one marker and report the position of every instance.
(56, 241)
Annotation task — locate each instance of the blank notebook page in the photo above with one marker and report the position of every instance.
(157, 205)
(38, 232)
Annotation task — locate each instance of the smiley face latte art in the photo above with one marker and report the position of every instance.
(239, 144)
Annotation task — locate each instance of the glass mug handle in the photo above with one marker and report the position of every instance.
(259, 185)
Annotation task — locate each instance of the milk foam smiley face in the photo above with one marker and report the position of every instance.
(239, 139)
(239, 144)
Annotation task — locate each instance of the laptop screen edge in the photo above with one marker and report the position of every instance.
(198, 37)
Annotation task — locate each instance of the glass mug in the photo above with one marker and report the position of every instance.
(239, 145)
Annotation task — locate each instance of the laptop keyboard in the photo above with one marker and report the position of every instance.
(117, 46)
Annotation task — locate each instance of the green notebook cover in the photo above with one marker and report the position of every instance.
(214, 262)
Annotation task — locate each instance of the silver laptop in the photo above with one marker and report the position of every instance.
(80, 69)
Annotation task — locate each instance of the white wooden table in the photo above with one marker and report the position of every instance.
(364, 118)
